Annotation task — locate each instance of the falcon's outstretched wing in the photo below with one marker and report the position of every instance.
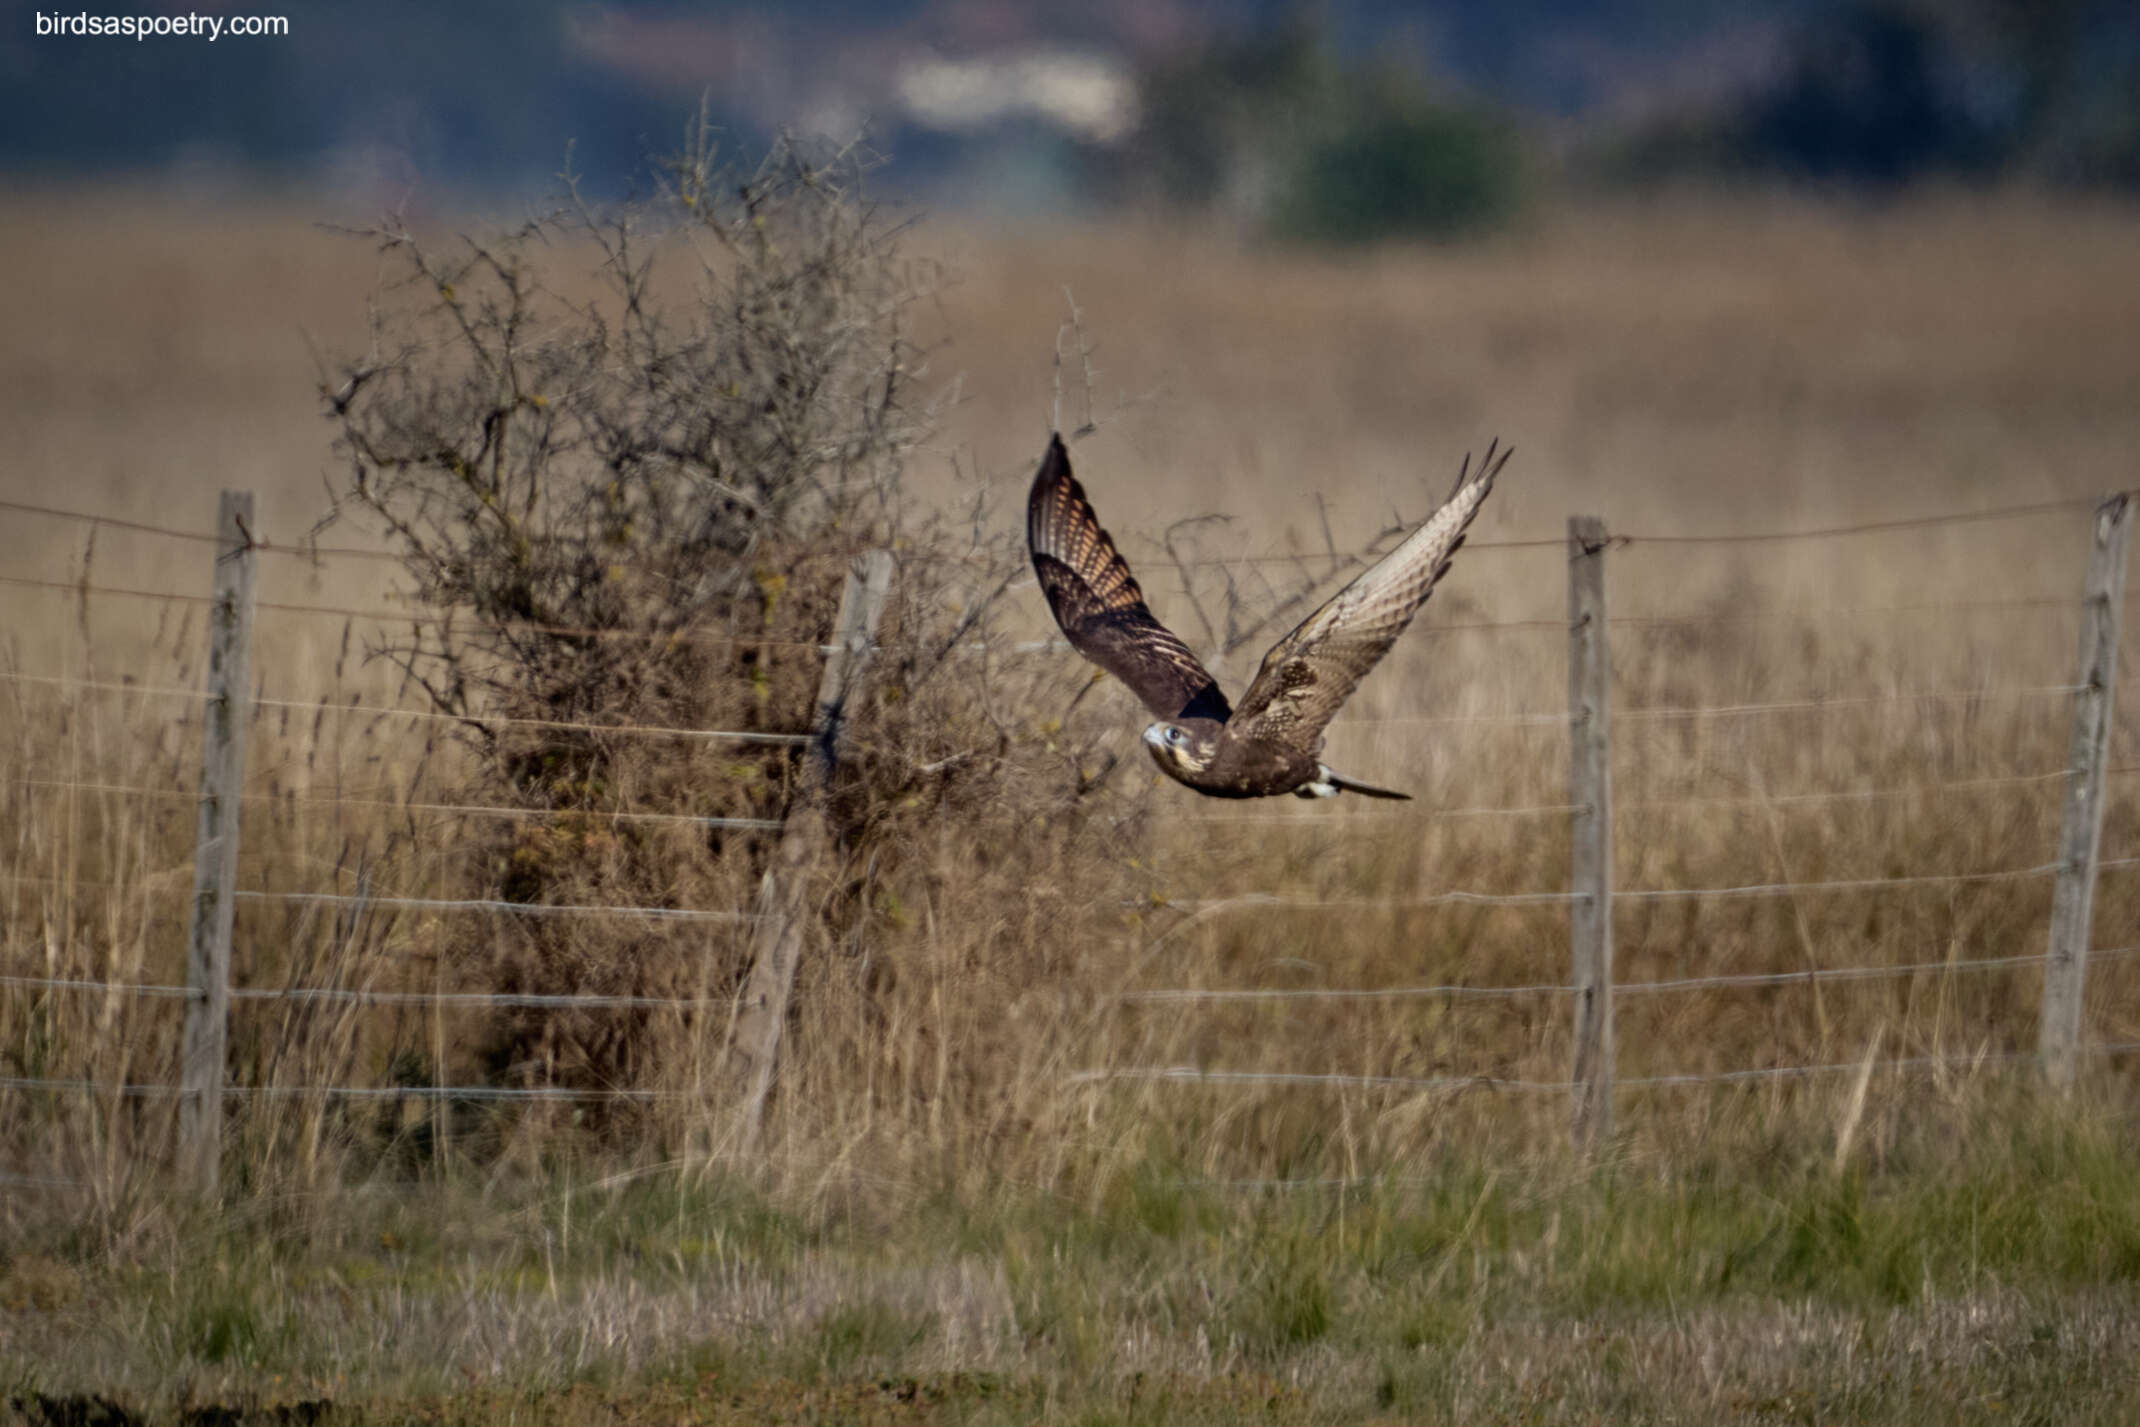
(1311, 671)
(1098, 604)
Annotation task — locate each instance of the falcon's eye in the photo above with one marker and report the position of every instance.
(1173, 735)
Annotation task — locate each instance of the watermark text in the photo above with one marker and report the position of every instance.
(143, 27)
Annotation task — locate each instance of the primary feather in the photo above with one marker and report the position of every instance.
(1098, 604)
(1308, 675)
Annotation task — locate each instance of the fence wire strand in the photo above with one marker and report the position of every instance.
(131, 790)
(1177, 1074)
(1206, 905)
(598, 1001)
(1723, 981)
(1713, 711)
(310, 550)
(1195, 1075)
(1336, 820)
(303, 550)
(142, 1090)
(484, 904)
(419, 715)
(1199, 908)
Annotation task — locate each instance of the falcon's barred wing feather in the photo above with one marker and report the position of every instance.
(1098, 604)
(1311, 671)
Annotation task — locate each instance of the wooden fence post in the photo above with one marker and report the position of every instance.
(2073, 901)
(776, 941)
(215, 850)
(1590, 861)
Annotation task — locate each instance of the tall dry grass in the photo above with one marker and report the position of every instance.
(1681, 369)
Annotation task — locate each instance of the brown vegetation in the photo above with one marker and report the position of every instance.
(1011, 867)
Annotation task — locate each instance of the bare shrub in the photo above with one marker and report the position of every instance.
(627, 458)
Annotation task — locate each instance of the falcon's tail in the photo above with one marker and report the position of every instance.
(1329, 783)
(1348, 785)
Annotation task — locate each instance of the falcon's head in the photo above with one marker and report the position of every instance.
(1183, 750)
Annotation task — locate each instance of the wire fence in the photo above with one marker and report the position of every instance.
(2078, 862)
(1334, 1080)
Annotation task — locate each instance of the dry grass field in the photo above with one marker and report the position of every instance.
(951, 1219)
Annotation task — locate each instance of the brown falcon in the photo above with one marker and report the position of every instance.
(1274, 741)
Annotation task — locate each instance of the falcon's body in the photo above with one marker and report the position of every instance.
(1273, 743)
(1236, 767)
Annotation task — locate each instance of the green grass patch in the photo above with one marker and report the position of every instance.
(1740, 1279)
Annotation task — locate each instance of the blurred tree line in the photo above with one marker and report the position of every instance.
(1276, 132)
(1883, 93)
(1315, 120)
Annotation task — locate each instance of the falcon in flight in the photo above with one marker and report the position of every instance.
(1273, 742)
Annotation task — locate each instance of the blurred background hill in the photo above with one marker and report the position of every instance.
(1348, 119)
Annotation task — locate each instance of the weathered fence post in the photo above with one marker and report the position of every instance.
(1590, 861)
(2073, 901)
(215, 849)
(776, 940)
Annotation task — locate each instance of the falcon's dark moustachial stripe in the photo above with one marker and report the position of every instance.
(1273, 743)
